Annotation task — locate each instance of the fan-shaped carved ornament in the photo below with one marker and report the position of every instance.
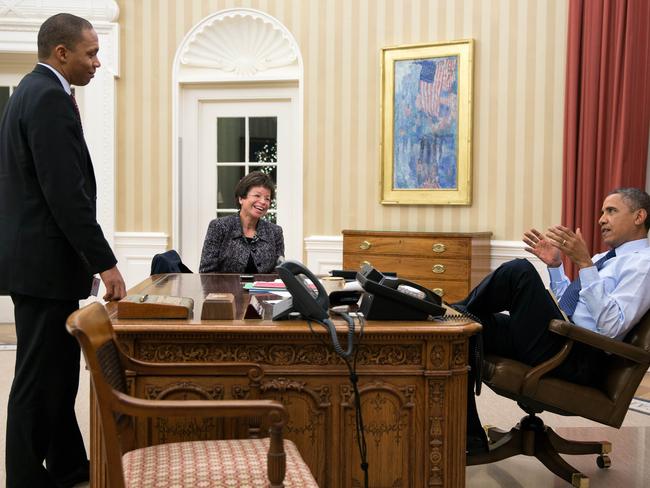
(242, 42)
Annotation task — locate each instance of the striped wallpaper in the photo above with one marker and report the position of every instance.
(519, 71)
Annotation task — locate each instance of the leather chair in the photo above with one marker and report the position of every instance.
(536, 391)
(168, 262)
(235, 462)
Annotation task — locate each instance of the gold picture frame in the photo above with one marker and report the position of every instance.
(426, 123)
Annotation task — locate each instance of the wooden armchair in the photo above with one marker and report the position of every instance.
(536, 391)
(235, 462)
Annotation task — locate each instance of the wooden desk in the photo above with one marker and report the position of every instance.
(413, 383)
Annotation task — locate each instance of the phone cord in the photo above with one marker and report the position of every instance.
(354, 379)
(475, 347)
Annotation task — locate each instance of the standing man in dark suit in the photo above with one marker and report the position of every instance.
(50, 247)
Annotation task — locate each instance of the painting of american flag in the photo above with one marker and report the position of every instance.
(425, 125)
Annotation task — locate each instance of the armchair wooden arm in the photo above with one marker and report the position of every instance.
(531, 379)
(116, 410)
(576, 333)
(141, 407)
(599, 341)
(252, 370)
(605, 400)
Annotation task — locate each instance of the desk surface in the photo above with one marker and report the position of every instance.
(198, 287)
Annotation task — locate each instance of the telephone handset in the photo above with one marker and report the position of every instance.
(389, 298)
(309, 302)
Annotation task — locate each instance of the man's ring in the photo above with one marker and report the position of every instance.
(564, 242)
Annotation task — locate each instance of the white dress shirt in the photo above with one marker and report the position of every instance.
(615, 298)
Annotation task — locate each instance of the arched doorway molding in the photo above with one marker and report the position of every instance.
(234, 51)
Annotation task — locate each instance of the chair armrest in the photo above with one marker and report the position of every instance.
(531, 380)
(252, 370)
(599, 341)
(142, 407)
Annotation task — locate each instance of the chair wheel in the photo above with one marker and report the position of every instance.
(603, 461)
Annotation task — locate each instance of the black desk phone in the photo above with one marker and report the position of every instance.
(311, 302)
(390, 298)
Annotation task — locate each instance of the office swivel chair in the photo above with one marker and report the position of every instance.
(214, 463)
(535, 391)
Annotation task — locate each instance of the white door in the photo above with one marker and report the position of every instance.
(233, 137)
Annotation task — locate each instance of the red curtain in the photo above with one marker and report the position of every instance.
(607, 108)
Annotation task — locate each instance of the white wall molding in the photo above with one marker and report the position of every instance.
(134, 252)
(241, 43)
(324, 253)
(26, 10)
(502, 251)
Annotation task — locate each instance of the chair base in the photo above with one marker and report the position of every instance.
(533, 438)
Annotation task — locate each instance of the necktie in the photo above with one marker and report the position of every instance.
(569, 300)
(76, 108)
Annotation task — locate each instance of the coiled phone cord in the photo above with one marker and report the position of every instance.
(352, 350)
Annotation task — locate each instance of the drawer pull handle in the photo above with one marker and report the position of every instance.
(439, 291)
(365, 245)
(363, 263)
(439, 247)
(438, 268)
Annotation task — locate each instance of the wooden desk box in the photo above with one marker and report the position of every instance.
(450, 264)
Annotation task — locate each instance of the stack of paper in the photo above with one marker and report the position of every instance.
(265, 286)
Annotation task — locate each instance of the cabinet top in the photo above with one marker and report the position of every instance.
(390, 233)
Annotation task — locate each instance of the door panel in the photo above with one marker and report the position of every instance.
(233, 137)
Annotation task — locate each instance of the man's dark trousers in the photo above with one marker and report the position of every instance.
(41, 402)
(522, 334)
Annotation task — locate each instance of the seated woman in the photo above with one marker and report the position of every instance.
(245, 243)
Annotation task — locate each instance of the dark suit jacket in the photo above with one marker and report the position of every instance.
(225, 249)
(50, 241)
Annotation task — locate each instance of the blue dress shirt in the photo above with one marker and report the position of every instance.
(615, 298)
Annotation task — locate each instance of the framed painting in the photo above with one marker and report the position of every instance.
(426, 124)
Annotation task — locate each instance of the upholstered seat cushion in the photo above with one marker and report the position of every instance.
(207, 464)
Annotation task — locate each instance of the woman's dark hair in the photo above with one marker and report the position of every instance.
(252, 179)
(63, 29)
(636, 199)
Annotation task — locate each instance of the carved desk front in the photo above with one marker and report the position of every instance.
(413, 384)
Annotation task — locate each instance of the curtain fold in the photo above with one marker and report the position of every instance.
(607, 108)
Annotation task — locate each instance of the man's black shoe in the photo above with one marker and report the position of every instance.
(79, 475)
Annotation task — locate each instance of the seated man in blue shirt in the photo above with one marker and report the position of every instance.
(610, 296)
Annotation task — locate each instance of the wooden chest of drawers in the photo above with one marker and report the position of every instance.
(450, 264)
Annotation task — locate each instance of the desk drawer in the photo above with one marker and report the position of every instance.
(412, 268)
(444, 247)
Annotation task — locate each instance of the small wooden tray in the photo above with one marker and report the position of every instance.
(154, 307)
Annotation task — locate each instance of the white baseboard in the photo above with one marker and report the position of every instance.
(134, 252)
(503, 251)
(6, 310)
(325, 253)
